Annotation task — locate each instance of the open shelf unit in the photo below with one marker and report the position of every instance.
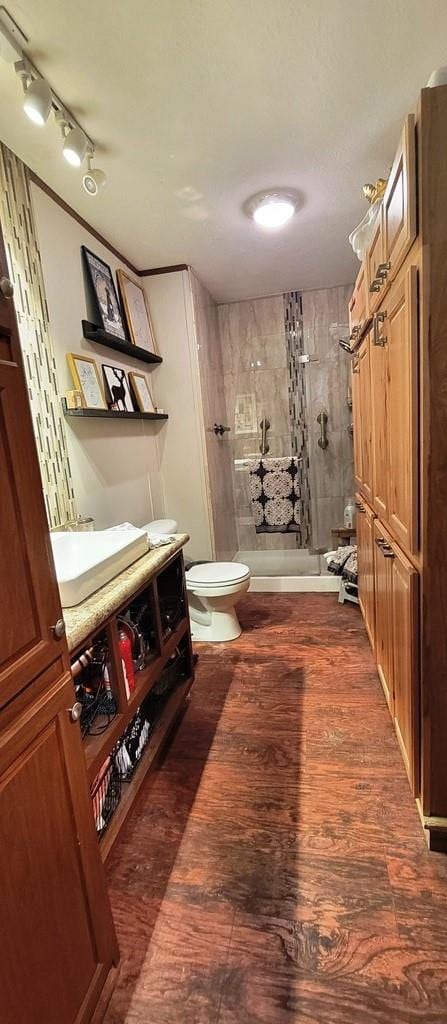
(164, 681)
(100, 337)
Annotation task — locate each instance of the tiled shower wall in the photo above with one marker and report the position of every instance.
(262, 340)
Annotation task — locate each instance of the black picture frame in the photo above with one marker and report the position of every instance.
(117, 388)
(104, 294)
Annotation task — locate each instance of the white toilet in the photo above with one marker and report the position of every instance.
(214, 588)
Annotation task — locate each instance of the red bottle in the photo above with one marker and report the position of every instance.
(125, 647)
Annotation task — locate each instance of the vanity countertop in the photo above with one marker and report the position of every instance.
(85, 618)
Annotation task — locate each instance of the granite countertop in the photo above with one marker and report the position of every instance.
(88, 616)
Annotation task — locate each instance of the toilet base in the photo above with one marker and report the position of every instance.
(224, 626)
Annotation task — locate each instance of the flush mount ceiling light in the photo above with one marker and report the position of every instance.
(40, 99)
(272, 209)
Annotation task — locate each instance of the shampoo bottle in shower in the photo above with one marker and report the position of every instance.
(349, 514)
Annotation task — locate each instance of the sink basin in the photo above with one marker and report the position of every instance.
(86, 561)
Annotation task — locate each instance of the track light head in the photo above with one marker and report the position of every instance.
(75, 147)
(94, 180)
(38, 101)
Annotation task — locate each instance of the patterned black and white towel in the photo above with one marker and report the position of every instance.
(275, 494)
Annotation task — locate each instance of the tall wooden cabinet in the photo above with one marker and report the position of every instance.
(399, 369)
(58, 937)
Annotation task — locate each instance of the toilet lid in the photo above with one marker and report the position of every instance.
(217, 573)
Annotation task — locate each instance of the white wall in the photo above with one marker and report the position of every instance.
(115, 466)
(182, 441)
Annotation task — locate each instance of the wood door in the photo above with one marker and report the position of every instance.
(358, 306)
(383, 605)
(399, 203)
(405, 586)
(379, 418)
(29, 596)
(401, 327)
(356, 421)
(54, 909)
(374, 263)
(365, 417)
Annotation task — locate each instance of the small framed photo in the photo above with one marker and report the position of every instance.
(117, 388)
(105, 294)
(87, 380)
(141, 391)
(136, 307)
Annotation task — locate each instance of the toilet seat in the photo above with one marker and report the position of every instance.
(217, 574)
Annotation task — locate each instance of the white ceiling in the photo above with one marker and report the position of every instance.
(197, 104)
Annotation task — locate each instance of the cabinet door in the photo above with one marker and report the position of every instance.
(358, 306)
(383, 604)
(29, 596)
(399, 202)
(379, 416)
(402, 341)
(365, 553)
(54, 908)
(356, 422)
(405, 664)
(365, 417)
(374, 263)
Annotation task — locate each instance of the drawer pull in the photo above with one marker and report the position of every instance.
(383, 269)
(378, 339)
(356, 367)
(376, 285)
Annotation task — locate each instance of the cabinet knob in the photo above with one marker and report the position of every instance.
(76, 711)
(59, 629)
(6, 288)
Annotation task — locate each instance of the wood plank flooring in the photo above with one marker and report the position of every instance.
(274, 869)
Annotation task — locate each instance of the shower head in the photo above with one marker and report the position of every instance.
(344, 345)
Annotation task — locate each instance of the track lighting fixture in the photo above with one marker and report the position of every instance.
(38, 101)
(94, 179)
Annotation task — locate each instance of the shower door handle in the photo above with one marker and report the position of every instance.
(264, 446)
(322, 419)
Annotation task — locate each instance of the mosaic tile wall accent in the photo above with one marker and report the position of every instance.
(25, 269)
(293, 321)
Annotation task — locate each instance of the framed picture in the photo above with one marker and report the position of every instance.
(141, 391)
(137, 312)
(87, 380)
(117, 388)
(104, 293)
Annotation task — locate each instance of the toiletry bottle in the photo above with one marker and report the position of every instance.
(125, 647)
(349, 514)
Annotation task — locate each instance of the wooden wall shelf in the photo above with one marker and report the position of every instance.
(111, 414)
(100, 337)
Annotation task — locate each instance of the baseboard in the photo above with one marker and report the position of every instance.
(295, 584)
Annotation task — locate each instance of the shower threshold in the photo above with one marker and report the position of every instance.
(288, 570)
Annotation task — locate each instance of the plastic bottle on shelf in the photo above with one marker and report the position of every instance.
(349, 514)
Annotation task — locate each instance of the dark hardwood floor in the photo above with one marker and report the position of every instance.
(274, 869)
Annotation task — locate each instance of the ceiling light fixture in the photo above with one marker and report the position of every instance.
(272, 209)
(38, 101)
(94, 179)
(75, 146)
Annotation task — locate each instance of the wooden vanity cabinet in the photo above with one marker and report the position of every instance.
(401, 331)
(405, 588)
(58, 936)
(379, 418)
(383, 605)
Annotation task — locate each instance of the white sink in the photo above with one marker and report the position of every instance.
(86, 561)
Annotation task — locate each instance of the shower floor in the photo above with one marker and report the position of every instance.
(282, 563)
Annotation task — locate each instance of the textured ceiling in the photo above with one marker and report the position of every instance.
(197, 104)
